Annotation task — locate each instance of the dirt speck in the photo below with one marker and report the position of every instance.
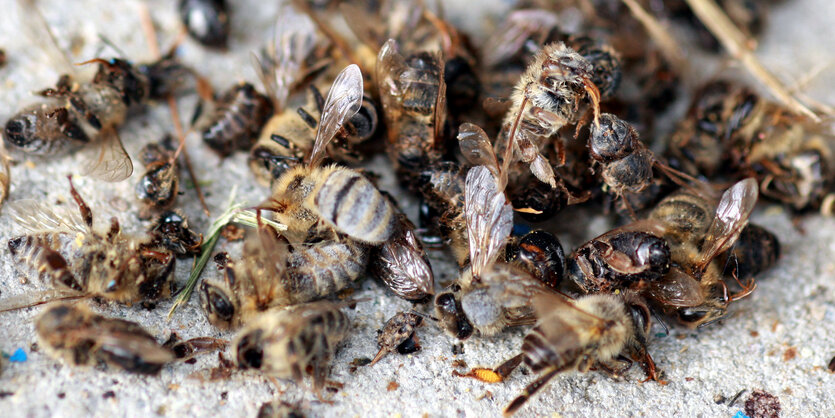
(755, 333)
(762, 404)
(831, 365)
(392, 386)
(790, 353)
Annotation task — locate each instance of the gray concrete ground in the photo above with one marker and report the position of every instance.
(780, 339)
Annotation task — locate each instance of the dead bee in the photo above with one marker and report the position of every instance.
(732, 131)
(188, 349)
(398, 332)
(539, 253)
(401, 263)
(171, 231)
(413, 97)
(83, 338)
(279, 409)
(342, 198)
(592, 331)
(207, 21)
(756, 250)
(492, 295)
(288, 342)
(158, 187)
(81, 261)
(698, 230)
(235, 120)
(273, 274)
(88, 113)
(548, 97)
(288, 136)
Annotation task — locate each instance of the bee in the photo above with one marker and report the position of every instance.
(158, 187)
(789, 155)
(401, 262)
(171, 231)
(274, 274)
(548, 97)
(207, 21)
(82, 338)
(235, 120)
(441, 186)
(340, 197)
(81, 261)
(491, 295)
(592, 331)
(539, 253)
(698, 231)
(413, 96)
(398, 333)
(755, 251)
(288, 342)
(87, 114)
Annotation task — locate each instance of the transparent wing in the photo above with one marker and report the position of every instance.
(41, 36)
(366, 25)
(476, 147)
(138, 345)
(35, 216)
(35, 298)
(390, 64)
(489, 218)
(511, 36)
(439, 116)
(295, 37)
(731, 218)
(677, 289)
(107, 160)
(344, 101)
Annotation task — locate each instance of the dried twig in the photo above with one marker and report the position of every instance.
(736, 43)
(660, 34)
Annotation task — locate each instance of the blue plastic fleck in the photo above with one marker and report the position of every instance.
(660, 334)
(19, 356)
(739, 414)
(521, 229)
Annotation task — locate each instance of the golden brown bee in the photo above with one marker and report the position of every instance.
(158, 187)
(398, 334)
(591, 331)
(340, 197)
(80, 261)
(413, 97)
(401, 263)
(273, 274)
(548, 97)
(87, 114)
(732, 131)
(235, 120)
(207, 21)
(83, 338)
(289, 342)
(698, 231)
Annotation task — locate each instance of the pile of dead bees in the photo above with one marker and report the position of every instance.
(491, 136)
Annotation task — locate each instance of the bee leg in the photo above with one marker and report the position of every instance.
(530, 390)
(320, 371)
(86, 213)
(649, 366)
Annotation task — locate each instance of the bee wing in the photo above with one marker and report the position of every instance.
(34, 216)
(42, 37)
(439, 116)
(554, 312)
(128, 344)
(365, 25)
(5, 173)
(390, 64)
(731, 218)
(489, 218)
(108, 161)
(295, 37)
(35, 298)
(344, 101)
(476, 147)
(676, 289)
(512, 35)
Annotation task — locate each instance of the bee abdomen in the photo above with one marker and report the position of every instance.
(238, 119)
(355, 207)
(539, 354)
(323, 269)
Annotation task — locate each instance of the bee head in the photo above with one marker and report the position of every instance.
(451, 315)
(217, 304)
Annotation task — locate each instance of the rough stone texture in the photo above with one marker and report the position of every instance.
(793, 308)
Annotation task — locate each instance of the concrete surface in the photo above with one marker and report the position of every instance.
(780, 339)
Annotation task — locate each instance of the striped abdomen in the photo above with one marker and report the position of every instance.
(39, 255)
(349, 201)
(238, 119)
(322, 269)
(540, 354)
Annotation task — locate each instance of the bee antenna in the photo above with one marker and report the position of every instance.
(106, 41)
(423, 315)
